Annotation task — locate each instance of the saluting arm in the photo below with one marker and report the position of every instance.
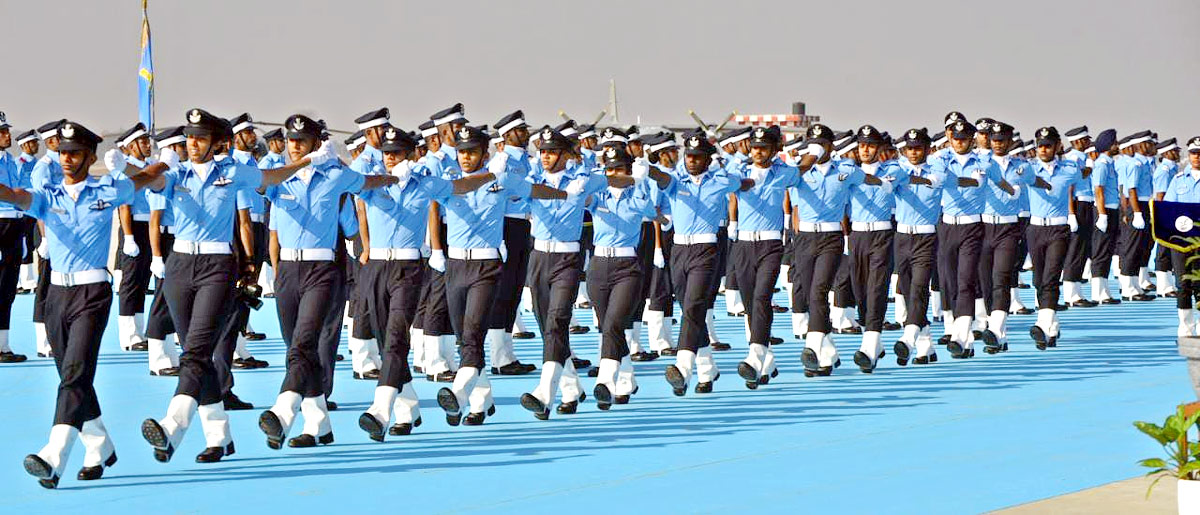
(379, 181)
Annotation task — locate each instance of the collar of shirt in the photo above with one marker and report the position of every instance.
(516, 152)
(51, 156)
(1048, 166)
(963, 158)
(824, 168)
(1195, 174)
(26, 157)
(73, 190)
(870, 168)
(1001, 160)
(202, 169)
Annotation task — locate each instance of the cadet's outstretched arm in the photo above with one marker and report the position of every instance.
(17, 197)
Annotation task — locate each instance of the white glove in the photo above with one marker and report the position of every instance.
(322, 155)
(670, 223)
(1090, 163)
(732, 231)
(935, 180)
(437, 260)
(641, 169)
(1138, 221)
(758, 175)
(1102, 222)
(787, 222)
(43, 247)
(130, 248)
(816, 151)
(886, 184)
(114, 160)
(1073, 222)
(503, 252)
(575, 188)
(845, 246)
(402, 171)
(978, 176)
(659, 260)
(1016, 191)
(498, 166)
(157, 267)
(168, 157)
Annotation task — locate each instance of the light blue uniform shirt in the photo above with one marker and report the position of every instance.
(397, 215)
(1083, 188)
(700, 208)
(25, 164)
(1104, 175)
(964, 200)
(997, 201)
(617, 220)
(249, 198)
(475, 220)
(79, 232)
(1055, 201)
(1184, 187)
(140, 205)
(46, 172)
(518, 163)
(306, 216)
(562, 220)
(918, 204)
(823, 192)
(271, 160)
(1163, 173)
(760, 208)
(203, 209)
(869, 203)
(10, 175)
(1133, 172)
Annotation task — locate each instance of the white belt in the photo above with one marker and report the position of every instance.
(615, 252)
(819, 227)
(1023, 214)
(306, 254)
(961, 220)
(472, 254)
(98, 275)
(557, 247)
(201, 247)
(1085, 199)
(11, 214)
(256, 217)
(1113, 206)
(695, 239)
(144, 217)
(1054, 220)
(517, 216)
(408, 254)
(999, 219)
(882, 225)
(759, 235)
(916, 229)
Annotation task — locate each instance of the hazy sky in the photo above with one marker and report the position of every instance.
(1124, 64)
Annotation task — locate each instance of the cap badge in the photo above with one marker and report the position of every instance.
(866, 131)
(67, 131)
(912, 134)
(546, 134)
(760, 133)
(608, 133)
(390, 134)
(959, 126)
(298, 124)
(1045, 133)
(194, 116)
(610, 153)
(816, 130)
(694, 142)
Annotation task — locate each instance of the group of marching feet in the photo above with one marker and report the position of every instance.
(449, 224)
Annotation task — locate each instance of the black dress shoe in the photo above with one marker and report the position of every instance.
(779, 309)
(271, 426)
(11, 357)
(97, 472)
(669, 351)
(1061, 307)
(442, 377)
(676, 380)
(925, 360)
(141, 346)
(808, 358)
(593, 372)
(720, 346)
(37, 467)
(1023, 286)
(851, 330)
(1142, 297)
(1052, 342)
(403, 428)
(374, 428)
(1150, 287)
(991, 344)
(330, 406)
(306, 440)
(418, 369)
(775, 341)
(474, 419)
(1171, 295)
(738, 314)
(621, 399)
(524, 335)
(169, 371)
(864, 362)
(957, 351)
(1024, 311)
(370, 375)
(903, 352)
(233, 403)
(254, 336)
(339, 357)
(1039, 337)
(43, 355)
(568, 408)
(580, 364)
(706, 387)
(214, 454)
(604, 397)
(1084, 303)
(515, 368)
(579, 329)
(584, 305)
(449, 403)
(643, 356)
(257, 363)
(535, 405)
(944, 340)
(156, 436)
(975, 335)
(746, 371)
(249, 363)
(241, 364)
(892, 326)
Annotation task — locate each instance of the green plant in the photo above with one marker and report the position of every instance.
(1183, 458)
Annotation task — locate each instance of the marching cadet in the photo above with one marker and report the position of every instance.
(245, 142)
(200, 276)
(397, 220)
(1001, 236)
(475, 231)
(556, 264)
(1082, 220)
(355, 144)
(617, 273)
(132, 261)
(871, 240)
(47, 172)
(162, 356)
(12, 241)
(276, 145)
(918, 209)
(663, 153)
(77, 214)
(1168, 166)
(1185, 187)
(1049, 230)
(28, 143)
(307, 209)
(513, 271)
(758, 245)
(1108, 213)
(961, 231)
(735, 150)
(698, 192)
(1137, 185)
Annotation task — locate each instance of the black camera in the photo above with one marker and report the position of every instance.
(250, 294)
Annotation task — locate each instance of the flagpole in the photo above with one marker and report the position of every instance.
(146, 72)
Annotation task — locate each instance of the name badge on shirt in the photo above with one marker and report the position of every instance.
(602, 209)
(182, 189)
(101, 205)
(222, 181)
(684, 193)
(286, 196)
(58, 211)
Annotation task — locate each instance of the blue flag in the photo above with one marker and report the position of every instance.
(146, 75)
